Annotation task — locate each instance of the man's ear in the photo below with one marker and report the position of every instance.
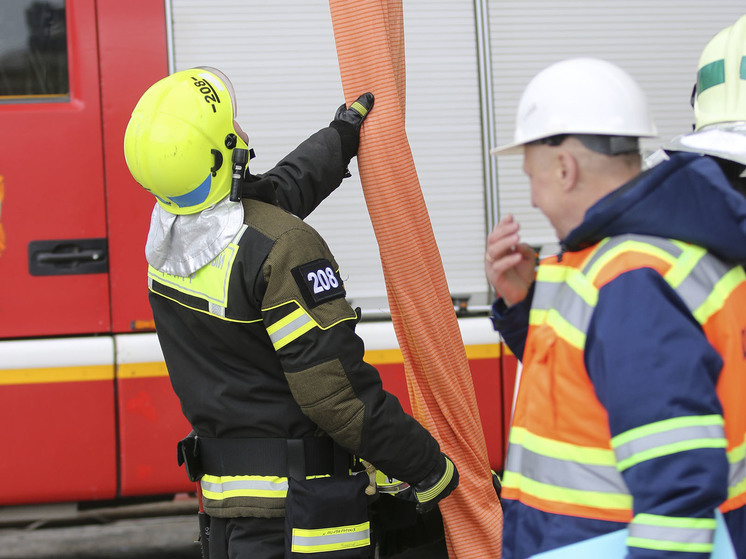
(567, 170)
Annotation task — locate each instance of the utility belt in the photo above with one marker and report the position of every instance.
(326, 515)
(292, 458)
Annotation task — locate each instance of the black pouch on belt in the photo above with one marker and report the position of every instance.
(188, 453)
(327, 517)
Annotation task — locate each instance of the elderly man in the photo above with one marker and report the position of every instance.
(629, 410)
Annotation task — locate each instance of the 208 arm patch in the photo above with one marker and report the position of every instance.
(318, 282)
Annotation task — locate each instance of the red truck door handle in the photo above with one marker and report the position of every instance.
(68, 256)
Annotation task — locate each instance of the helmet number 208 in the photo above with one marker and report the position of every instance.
(323, 280)
(206, 89)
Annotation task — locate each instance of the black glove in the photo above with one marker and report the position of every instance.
(437, 485)
(348, 121)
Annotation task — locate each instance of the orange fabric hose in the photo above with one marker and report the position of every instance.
(370, 47)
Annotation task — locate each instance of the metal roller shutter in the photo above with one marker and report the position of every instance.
(658, 43)
(282, 60)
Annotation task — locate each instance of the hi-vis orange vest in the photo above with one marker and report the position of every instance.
(562, 458)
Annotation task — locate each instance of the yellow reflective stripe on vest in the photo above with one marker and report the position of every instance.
(330, 539)
(564, 300)
(687, 261)
(668, 533)
(581, 497)
(563, 472)
(702, 280)
(290, 327)
(668, 437)
(219, 488)
(737, 476)
(209, 282)
(721, 291)
(609, 249)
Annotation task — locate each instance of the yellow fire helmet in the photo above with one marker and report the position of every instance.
(720, 92)
(180, 138)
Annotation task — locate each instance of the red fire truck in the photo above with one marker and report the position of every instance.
(85, 398)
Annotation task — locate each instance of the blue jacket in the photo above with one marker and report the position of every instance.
(685, 198)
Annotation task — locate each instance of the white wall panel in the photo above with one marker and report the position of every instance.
(282, 59)
(658, 43)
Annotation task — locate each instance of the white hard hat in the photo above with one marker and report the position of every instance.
(580, 96)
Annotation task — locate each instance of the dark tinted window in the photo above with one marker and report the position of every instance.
(33, 50)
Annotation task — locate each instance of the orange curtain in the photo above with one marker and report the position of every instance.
(370, 47)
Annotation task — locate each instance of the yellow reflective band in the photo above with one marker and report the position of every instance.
(737, 489)
(546, 492)
(572, 277)
(209, 282)
(652, 531)
(219, 488)
(587, 291)
(665, 450)
(556, 322)
(675, 521)
(290, 328)
(434, 491)
(561, 450)
(670, 546)
(690, 257)
(737, 462)
(737, 453)
(667, 425)
(628, 246)
(359, 108)
(206, 311)
(720, 293)
(553, 274)
(330, 539)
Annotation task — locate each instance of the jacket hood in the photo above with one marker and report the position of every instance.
(686, 197)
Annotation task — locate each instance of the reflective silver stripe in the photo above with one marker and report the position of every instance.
(296, 324)
(698, 285)
(564, 473)
(672, 534)
(649, 443)
(330, 538)
(565, 300)
(217, 310)
(613, 242)
(737, 474)
(279, 487)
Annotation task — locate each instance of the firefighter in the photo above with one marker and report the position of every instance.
(629, 411)
(258, 338)
(719, 102)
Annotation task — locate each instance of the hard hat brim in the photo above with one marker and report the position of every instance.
(514, 148)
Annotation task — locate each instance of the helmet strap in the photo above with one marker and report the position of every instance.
(218, 161)
(609, 145)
